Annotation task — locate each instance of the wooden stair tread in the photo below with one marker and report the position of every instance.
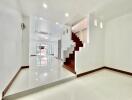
(70, 61)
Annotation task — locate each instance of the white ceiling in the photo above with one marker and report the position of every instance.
(114, 9)
(77, 9)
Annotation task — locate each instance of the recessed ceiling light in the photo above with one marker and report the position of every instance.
(56, 23)
(95, 22)
(101, 25)
(41, 18)
(67, 14)
(45, 74)
(45, 5)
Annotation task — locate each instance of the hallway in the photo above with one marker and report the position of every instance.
(46, 46)
(102, 85)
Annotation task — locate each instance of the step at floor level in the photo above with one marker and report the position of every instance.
(38, 76)
(101, 85)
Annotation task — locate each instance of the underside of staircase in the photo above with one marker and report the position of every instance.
(70, 61)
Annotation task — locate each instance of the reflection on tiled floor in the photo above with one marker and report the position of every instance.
(39, 75)
(102, 85)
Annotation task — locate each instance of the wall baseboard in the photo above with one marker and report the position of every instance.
(89, 72)
(78, 75)
(12, 80)
(69, 68)
(118, 70)
(104, 67)
(24, 67)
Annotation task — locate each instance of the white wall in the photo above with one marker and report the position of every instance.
(67, 43)
(110, 46)
(10, 42)
(92, 55)
(25, 41)
(83, 35)
(118, 43)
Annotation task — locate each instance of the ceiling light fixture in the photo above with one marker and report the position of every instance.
(45, 74)
(45, 5)
(41, 18)
(67, 14)
(95, 22)
(56, 23)
(101, 25)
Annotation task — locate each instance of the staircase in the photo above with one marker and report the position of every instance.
(70, 61)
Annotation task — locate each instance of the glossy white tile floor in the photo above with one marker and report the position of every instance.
(39, 75)
(102, 85)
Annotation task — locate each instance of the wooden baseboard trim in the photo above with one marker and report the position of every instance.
(105, 67)
(68, 68)
(89, 72)
(12, 80)
(78, 75)
(117, 70)
(24, 67)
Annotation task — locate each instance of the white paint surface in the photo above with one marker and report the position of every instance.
(25, 41)
(117, 49)
(10, 42)
(83, 36)
(118, 40)
(91, 56)
(56, 9)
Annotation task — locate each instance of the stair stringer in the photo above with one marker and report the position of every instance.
(69, 50)
(77, 53)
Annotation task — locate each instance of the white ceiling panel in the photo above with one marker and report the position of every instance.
(57, 8)
(77, 9)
